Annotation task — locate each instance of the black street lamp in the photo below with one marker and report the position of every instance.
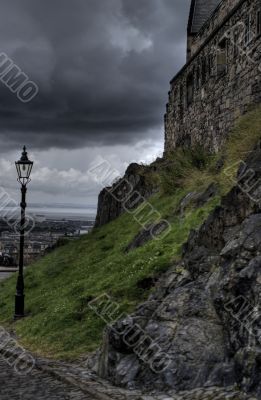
(24, 167)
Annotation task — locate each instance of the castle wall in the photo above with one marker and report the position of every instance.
(218, 17)
(219, 82)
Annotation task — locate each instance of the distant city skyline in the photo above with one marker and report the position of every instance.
(58, 210)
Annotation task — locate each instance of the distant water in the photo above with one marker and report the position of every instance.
(58, 211)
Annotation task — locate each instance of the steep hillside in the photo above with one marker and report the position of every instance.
(201, 326)
(119, 258)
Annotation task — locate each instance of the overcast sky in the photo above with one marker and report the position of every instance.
(103, 69)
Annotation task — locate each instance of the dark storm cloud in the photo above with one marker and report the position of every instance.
(102, 67)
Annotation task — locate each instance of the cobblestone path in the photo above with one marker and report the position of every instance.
(35, 386)
(60, 381)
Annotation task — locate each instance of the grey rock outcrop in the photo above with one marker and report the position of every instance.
(126, 194)
(148, 233)
(202, 325)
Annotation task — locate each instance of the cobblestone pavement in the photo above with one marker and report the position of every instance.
(61, 381)
(37, 385)
(105, 391)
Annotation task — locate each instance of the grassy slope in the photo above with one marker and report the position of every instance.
(59, 286)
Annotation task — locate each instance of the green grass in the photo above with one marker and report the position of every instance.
(59, 286)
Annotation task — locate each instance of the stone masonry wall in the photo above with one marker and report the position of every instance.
(217, 18)
(219, 82)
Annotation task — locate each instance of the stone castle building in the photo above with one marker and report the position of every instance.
(221, 78)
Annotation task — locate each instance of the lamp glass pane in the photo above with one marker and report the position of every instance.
(18, 169)
(24, 170)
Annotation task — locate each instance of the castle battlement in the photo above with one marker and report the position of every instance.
(222, 76)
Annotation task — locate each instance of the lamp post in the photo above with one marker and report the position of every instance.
(24, 167)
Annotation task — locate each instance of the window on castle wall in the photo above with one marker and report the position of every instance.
(196, 81)
(258, 23)
(222, 58)
(190, 89)
(203, 71)
(199, 78)
(248, 31)
(181, 100)
(236, 44)
(210, 65)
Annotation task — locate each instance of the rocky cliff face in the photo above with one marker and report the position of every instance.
(202, 325)
(126, 194)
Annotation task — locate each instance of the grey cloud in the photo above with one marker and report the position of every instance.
(102, 67)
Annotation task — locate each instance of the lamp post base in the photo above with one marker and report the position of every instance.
(19, 307)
